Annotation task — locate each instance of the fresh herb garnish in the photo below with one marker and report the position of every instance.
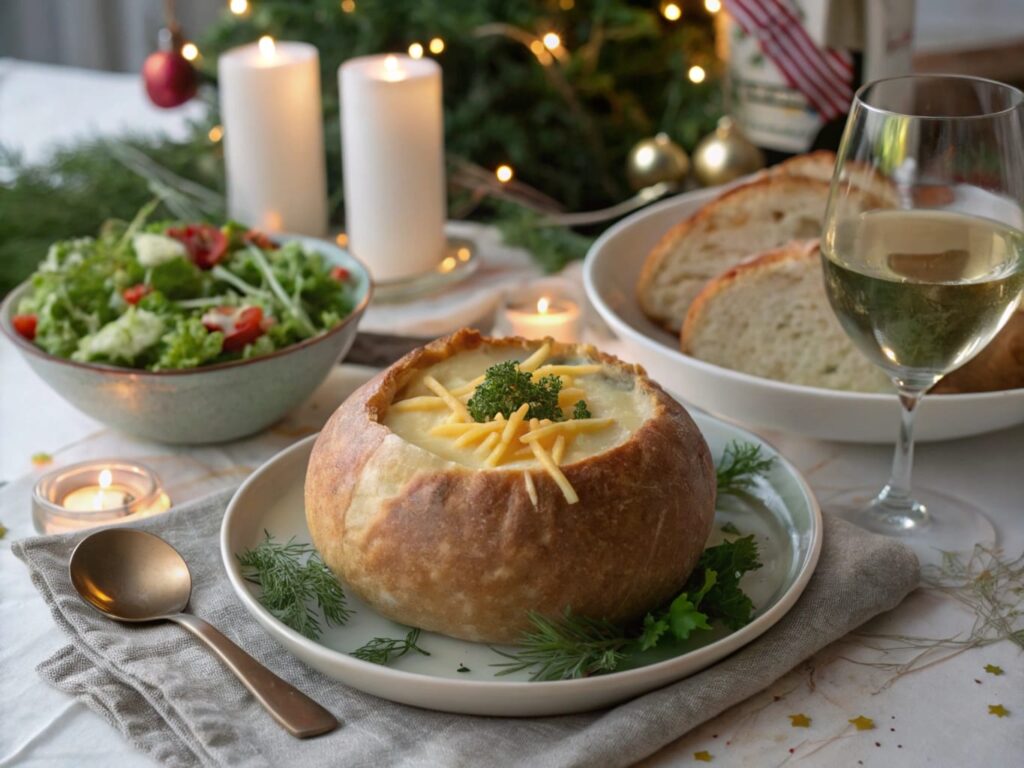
(741, 464)
(381, 650)
(581, 411)
(574, 646)
(292, 585)
(729, 528)
(505, 388)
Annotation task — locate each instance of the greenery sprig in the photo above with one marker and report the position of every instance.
(573, 646)
(506, 388)
(382, 650)
(741, 464)
(293, 579)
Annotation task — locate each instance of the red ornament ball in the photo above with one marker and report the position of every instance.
(170, 79)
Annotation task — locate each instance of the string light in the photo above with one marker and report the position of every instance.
(566, 5)
(696, 74)
(190, 51)
(671, 11)
(551, 41)
(712, 6)
(416, 51)
(436, 45)
(348, 6)
(239, 7)
(216, 133)
(341, 239)
(537, 49)
(504, 173)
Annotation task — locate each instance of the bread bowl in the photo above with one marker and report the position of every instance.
(440, 537)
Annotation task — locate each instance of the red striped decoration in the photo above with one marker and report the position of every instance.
(823, 76)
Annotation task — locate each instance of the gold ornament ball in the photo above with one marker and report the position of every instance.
(654, 160)
(724, 155)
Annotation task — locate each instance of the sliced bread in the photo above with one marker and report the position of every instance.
(770, 317)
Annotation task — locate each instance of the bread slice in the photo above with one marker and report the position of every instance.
(998, 366)
(748, 219)
(814, 165)
(770, 317)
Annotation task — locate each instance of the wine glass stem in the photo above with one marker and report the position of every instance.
(895, 498)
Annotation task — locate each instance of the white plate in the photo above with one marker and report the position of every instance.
(785, 518)
(610, 273)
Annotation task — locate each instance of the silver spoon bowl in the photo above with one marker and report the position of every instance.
(133, 576)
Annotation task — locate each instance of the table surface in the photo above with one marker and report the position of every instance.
(935, 716)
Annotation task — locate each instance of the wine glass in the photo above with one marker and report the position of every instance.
(923, 258)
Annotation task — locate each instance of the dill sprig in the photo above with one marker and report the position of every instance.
(381, 650)
(566, 648)
(740, 465)
(294, 582)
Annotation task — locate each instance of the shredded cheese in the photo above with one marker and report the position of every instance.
(438, 389)
(570, 427)
(567, 370)
(556, 474)
(530, 364)
(531, 489)
(478, 432)
(509, 433)
(558, 451)
(468, 387)
(485, 447)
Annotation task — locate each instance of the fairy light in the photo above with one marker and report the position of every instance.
(267, 47)
(416, 51)
(239, 7)
(216, 133)
(566, 5)
(712, 6)
(190, 51)
(504, 173)
(436, 45)
(671, 11)
(551, 41)
(696, 74)
(348, 6)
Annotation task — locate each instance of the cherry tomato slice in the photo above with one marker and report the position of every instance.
(205, 243)
(259, 239)
(25, 325)
(134, 294)
(340, 274)
(240, 325)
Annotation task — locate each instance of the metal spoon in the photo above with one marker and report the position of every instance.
(135, 576)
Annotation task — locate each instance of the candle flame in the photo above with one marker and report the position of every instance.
(393, 69)
(543, 304)
(105, 478)
(267, 47)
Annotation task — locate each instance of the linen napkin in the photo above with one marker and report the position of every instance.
(174, 701)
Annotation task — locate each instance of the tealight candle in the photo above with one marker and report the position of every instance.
(392, 130)
(543, 309)
(96, 493)
(273, 136)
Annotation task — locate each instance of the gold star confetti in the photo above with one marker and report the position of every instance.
(41, 459)
(799, 720)
(992, 669)
(998, 710)
(863, 723)
(704, 756)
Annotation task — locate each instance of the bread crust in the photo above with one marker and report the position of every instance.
(452, 549)
(999, 366)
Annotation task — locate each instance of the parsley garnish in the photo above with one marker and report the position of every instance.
(581, 411)
(574, 646)
(381, 650)
(291, 586)
(505, 388)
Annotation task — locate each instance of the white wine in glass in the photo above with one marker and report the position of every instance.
(930, 273)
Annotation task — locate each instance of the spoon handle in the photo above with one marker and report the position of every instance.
(300, 715)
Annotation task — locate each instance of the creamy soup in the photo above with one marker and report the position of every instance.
(609, 394)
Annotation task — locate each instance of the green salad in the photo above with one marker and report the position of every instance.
(171, 295)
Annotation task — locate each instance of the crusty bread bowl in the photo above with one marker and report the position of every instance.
(432, 537)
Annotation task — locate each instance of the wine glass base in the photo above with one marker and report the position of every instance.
(936, 522)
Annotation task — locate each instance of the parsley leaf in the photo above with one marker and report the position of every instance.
(581, 411)
(505, 388)
(724, 600)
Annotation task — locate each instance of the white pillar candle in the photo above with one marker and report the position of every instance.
(556, 317)
(273, 136)
(392, 130)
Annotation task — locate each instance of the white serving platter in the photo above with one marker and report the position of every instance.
(783, 515)
(610, 274)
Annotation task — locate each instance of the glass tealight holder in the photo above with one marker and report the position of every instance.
(547, 307)
(93, 493)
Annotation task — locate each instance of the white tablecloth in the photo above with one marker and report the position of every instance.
(938, 716)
